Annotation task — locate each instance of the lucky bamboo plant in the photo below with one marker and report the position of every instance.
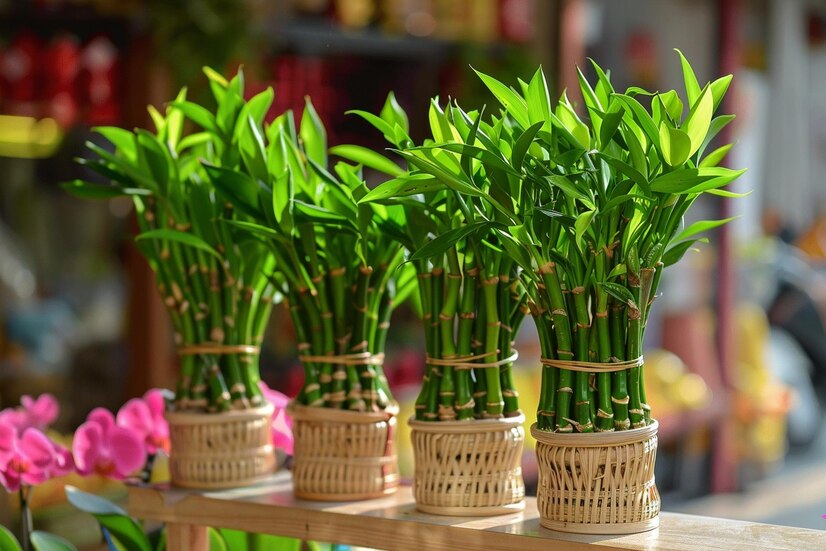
(337, 264)
(214, 285)
(593, 216)
(470, 293)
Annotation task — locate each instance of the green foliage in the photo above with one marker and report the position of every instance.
(587, 211)
(212, 277)
(44, 541)
(7, 540)
(454, 203)
(335, 260)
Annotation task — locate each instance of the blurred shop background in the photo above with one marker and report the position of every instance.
(736, 352)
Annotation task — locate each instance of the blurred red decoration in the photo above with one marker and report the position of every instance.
(18, 73)
(100, 63)
(62, 64)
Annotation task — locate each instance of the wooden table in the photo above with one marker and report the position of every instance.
(393, 523)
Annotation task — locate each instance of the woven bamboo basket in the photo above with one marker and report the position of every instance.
(220, 450)
(598, 483)
(469, 468)
(343, 455)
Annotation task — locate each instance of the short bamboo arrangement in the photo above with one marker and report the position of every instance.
(592, 218)
(214, 286)
(467, 431)
(339, 270)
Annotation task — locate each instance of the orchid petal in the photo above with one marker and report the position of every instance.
(127, 451)
(87, 446)
(37, 448)
(42, 411)
(103, 417)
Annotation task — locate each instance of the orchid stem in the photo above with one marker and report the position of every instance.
(25, 515)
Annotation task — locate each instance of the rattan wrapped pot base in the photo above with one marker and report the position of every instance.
(598, 483)
(343, 455)
(220, 450)
(469, 468)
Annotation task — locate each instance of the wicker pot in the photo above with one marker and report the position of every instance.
(220, 450)
(343, 455)
(598, 483)
(469, 468)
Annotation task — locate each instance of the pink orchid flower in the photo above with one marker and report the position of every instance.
(27, 458)
(102, 447)
(37, 413)
(144, 417)
(282, 434)
(41, 411)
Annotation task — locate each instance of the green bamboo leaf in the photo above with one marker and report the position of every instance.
(367, 157)
(700, 227)
(523, 142)
(197, 114)
(642, 117)
(158, 120)
(717, 125)
(538, 100)
(515, 250)
(88, 190)
(680, 180)
(719, 88)
(448, 239)
(180, 237)
(692, 87)
(726, 193)
(675, 145)
(619, 292)
(488, 158)
(251, 148)
(256, 229)
(698, 121)
(238, 188)
(720, 178)
(380, 124)
(123, 140)
(570, 189)
(673, 105)
(715, 157)
(583, 221)
(577, 128)
(403, 187)
(315, 213)
(588, 94)
(193, 140)
(283, 194)
(445, 177)
(610, 124)
(215, 76)
(676, 252)
(393, 114)
(604, 89)
(509, 99)
(156, 156)
(7, 540)
(313, 134)
(43, 541)
(628, 171)
(111, 517)
(617, 271)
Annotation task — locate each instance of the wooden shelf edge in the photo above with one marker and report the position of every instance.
(394, 523)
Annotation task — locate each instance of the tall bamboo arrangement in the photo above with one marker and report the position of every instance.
(593, 217)
(336, 263)
(470, 292)
(212, 282)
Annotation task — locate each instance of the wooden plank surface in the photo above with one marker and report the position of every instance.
(393, 523)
